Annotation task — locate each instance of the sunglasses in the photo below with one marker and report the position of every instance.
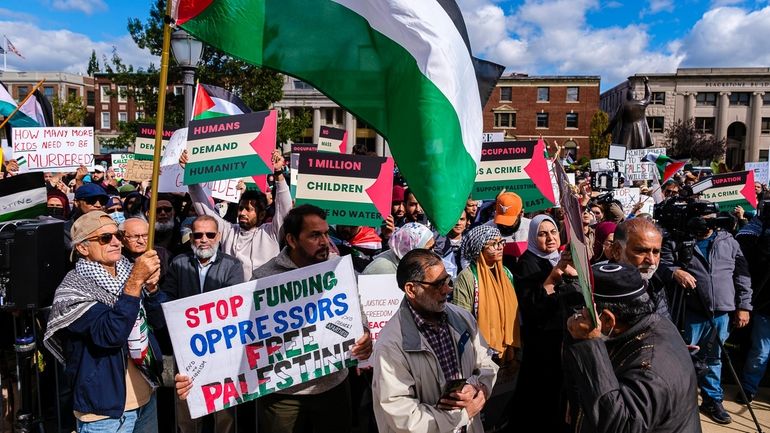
(106, 238)
(92, 200)
(199, 235)
(166, 209)
(109, 211)
(437, 284)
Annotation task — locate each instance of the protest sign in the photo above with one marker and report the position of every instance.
(173, 150)
(230, 147)
(332, 140)
(293, 171)
(243, 342)
(380, 299)
(58, 149)
(490, 137)
(138, 170)
(119, 163)
(760, 170)
(635, 168)
(144, 144)
(352, 189)
(303, 147)
(22, 196)
(516, 166)
(629, 197)
(602, 164)
(171, 180)
(731, 189)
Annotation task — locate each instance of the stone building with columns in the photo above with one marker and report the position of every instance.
(298, 95)
(732, 103)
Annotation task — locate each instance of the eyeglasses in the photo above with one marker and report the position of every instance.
(135, 238)
(199, 235)
(166, 209)
(109, 211)
(106, 238)
(92, 200)
(496, 245)
(446, 281)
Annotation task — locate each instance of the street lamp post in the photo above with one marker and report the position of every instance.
(187, 52)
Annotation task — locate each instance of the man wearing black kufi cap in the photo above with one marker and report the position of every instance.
(632, 372)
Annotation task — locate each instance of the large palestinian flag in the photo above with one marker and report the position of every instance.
(401, 66)
(8, 105)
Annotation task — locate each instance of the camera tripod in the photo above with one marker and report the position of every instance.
(28, 416)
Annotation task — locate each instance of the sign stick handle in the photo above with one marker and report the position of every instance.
(23, 101)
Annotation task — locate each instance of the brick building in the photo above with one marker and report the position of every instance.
(57, 84)
(558, 108)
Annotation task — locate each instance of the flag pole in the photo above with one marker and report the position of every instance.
(23, 101)
(159, 124)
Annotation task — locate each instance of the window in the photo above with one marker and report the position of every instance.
(105, 93)
(766, 99)
(505, 120)
(178, 90)
(658, 98)
(72, 94)
(543, 94)
(301, 85)
(122, 94)
(139, 115)
(705, 124)
(90, 98)
(740, 98)
(48, 92)
(572, 120)
(506, 94)
(707, 98)
(106, 120)
(763, 155)
(573, 94)
(333, 116)
(22, 91)
(542, 120)
(765, 125)
(655, 123)
(123, 117)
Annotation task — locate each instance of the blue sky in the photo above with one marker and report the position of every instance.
(609, 38)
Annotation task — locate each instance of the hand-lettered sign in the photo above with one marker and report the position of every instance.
(120, 162)
(380, 300)
(230, 147)
(242, 342)
(352, 189)
(515, 166)
(57, 149)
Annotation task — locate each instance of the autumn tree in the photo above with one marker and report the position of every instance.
(70, 112)
(684, 140)
(599, 144)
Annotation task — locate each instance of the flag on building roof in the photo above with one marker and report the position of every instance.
(414, 84)
(212, 101)
(8, 105)
(2, 50)
(10, 47)
(666, 166)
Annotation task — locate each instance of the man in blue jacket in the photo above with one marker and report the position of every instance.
(99, 329)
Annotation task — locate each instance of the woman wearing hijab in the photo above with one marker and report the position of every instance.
(537, 274)
(485, 288)
(605, 235)
(403, 240)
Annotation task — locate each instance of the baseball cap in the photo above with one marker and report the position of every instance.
(615, 282)
(89, 190)
(88, 223)
(507, 208)
(99, 168)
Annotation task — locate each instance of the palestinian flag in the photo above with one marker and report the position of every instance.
(401, 66)
(213, 101)
(666, 166)
(22, 196)
(8, 105)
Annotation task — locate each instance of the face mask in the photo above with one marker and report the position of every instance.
(56, 212)
(118, 217)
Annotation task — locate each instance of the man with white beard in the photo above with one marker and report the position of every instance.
(638, 243)
(202, 270)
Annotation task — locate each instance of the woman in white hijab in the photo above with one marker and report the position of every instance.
(403, 240)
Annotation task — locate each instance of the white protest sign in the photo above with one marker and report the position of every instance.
(242, 342)
(173, 150)
(57, 149)
(171, 179)
(635, 169)
(760, 171)
(7, 150)
(628, 197)
(120, 162)
(380, 299)
(602, 164)
(492, 137)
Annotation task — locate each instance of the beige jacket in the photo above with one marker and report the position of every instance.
(408, 381)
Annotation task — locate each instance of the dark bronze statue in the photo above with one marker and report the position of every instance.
(629, 125)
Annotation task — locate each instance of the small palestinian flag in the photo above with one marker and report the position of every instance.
(22, 196)
(213, 101)
(666, 166)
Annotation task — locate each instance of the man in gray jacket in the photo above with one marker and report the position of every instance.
(718, 280)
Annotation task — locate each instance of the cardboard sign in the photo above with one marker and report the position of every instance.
(230, 147)
(760, 170)
(144, 145)
(303, 147)
(635, 168)
(731, 189)
(173, 150)
(352, 189)
(242, 342)
(138, 170)
(120, 162)
(332, 140)
(380, 299)
(516, 166)
(57, 149)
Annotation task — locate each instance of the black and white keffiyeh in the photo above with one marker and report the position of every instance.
(475, 239)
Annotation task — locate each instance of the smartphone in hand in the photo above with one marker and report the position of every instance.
(452, 386)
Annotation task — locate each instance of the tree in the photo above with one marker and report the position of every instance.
(292, 128)
(599, 144)
(93, 64)
(683, 141)
(71, 112)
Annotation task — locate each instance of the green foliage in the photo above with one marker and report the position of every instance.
(683, 140)
(293, 128)
(71, 112)
(599, 144)
(93, 64)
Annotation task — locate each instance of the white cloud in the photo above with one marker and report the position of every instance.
(661, 5)
(14, 15)
(86, 6)
(66, 51)
(729, 36)
(719, 3)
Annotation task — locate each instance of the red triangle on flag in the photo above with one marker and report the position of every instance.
(671, 169)
(189, 9)
(203, 102)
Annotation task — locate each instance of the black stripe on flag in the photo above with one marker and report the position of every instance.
(21, 183)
